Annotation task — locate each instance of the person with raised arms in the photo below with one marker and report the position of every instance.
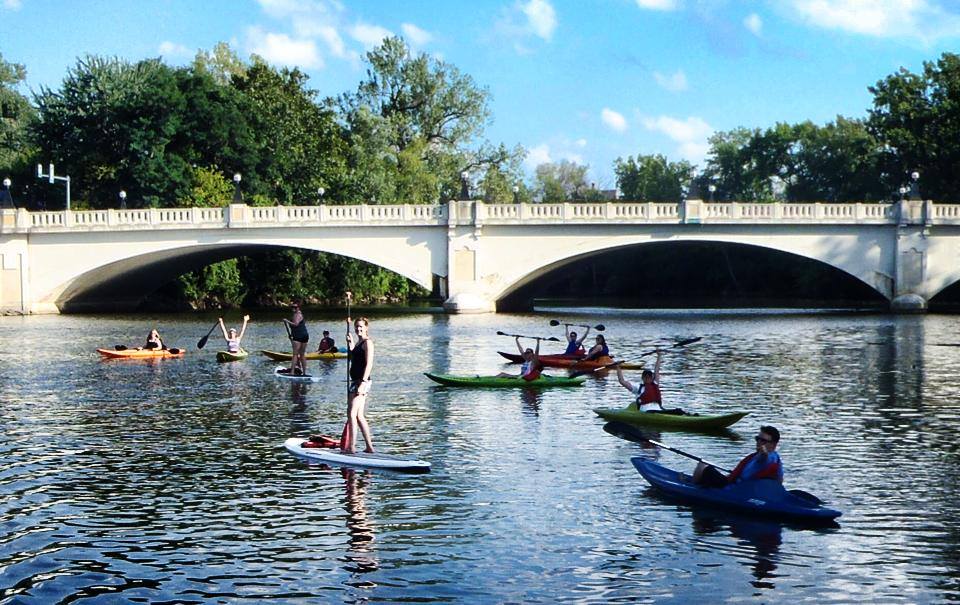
(764, 463)
(154, 341)
(361, 366)
(231, 337)
(531, 367)
(647, 391)
(575, 345)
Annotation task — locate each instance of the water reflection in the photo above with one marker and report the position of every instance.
(763, 537)
(362, 557)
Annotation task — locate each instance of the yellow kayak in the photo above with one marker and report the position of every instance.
(274, 355)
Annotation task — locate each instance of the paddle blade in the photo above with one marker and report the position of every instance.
(627, 432)
(202, 342)
(554, 323)
(688, 341)
(599, 327)
(806, 496)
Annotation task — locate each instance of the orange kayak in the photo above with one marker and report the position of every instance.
(141, 353)
(575, 364)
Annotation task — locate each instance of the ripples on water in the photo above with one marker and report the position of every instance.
(164, 481)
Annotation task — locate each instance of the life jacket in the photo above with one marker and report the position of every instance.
(530, 370)
(649, 393)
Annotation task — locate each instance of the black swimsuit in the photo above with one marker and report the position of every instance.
(358, 362)
(299, 332)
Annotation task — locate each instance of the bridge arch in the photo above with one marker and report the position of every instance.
(854, 256)
(126, 279)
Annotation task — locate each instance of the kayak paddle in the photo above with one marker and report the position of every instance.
(796, 492)
(203, 341)
(598, 327)
(553, 338)
(682, 343)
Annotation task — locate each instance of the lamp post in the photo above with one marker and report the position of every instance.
(516, 194)
(464, 185)
(237, 195)
(320, 192)
(915, 185)
(712, 189)
(903, 193)
(123, 199)
(53, 177)
(6, 197)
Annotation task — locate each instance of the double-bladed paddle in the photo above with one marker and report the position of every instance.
(681, 343)
(553, 338)
(598, 327)
(626, 431)
(203, 341)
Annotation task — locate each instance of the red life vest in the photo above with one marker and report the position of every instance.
(649, 393)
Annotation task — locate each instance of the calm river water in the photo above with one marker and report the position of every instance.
(166, 481)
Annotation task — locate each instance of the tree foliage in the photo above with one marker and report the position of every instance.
(16, 117)
(652, 178)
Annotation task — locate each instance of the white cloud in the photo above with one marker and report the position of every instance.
(541, 18)
(536, 156)
(172, 49)
(754, 23)
(658, 5)
(918, 19)
(674, 83)
(613, 120)
(369, 35)
(580, 142)
(690, 134)
(13, 5)
(415, 35)
(281, 49)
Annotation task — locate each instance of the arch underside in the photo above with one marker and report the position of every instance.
(881, 284)
(124, 284)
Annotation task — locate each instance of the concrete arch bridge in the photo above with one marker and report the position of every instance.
(473, 253)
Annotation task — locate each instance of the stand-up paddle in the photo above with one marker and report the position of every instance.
(203, 341)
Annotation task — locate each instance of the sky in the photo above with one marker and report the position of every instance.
(588, 81)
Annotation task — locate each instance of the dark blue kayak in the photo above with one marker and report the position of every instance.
(761, 497)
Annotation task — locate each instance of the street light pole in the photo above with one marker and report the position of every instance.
(237, 195)
(123, 199)
(320, 192)
(53, 177)
(464, 185)
(712, 189)
(915, 185)
(516, 194)
(6, 196)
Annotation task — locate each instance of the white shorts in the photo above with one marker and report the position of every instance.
(649, 407)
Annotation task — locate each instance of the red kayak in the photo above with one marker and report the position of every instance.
(571, 362)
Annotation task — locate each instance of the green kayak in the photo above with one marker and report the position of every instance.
(225, 356)
(497, 382)
(630, 415)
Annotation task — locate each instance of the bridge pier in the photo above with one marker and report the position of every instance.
(912, 257)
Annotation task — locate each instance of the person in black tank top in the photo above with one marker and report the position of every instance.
(361, 366)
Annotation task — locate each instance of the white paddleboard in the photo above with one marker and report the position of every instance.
(375, 460)
(294, 377)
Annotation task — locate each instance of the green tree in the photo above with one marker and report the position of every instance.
(916, 120)
(652, 178)
(16, 117)
(561, 181)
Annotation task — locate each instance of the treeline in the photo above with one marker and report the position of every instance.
(175, 136)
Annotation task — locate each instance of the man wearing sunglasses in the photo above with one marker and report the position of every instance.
(761, 464)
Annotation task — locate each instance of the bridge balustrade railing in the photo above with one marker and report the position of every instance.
(947, 213)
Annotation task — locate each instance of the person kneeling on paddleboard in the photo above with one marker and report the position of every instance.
(531, 367)
(761, 464)
(326, 344)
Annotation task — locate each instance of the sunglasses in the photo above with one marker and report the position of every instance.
(761, 439)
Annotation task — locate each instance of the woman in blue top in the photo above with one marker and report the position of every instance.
(575, 345)
(598, 350)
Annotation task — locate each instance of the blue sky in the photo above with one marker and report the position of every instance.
(581, 80)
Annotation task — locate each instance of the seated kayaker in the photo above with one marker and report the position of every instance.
(154, 341)
(326, 344)
(231, 336)
(598, 350)
(531, 367)
(574, 344)
(647, 391)
(761, 464)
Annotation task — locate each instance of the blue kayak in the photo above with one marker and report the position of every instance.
(761, 497)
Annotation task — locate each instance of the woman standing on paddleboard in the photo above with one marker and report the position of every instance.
(361, 365)
(297, 327)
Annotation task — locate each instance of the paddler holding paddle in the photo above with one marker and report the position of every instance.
(764, 463)
(647, 391)
(360, 365)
